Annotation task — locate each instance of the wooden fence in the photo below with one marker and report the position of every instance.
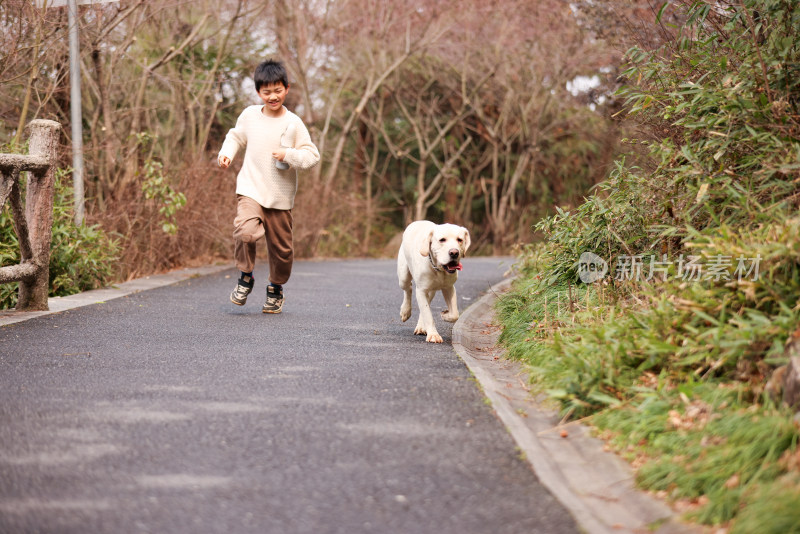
(33, 222)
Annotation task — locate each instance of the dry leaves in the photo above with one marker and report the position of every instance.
(790, 460)
(695, 417)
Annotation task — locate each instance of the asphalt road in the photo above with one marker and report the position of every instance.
(174, 411)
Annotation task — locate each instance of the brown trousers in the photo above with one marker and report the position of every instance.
(253, 222)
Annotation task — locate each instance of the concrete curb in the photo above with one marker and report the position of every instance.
(96, 296)
(594, 485)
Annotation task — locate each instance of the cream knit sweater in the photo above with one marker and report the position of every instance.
(259, 135)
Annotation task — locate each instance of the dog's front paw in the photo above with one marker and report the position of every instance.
(405, 313)
(434, 337)
(420, 331)
(450, 317)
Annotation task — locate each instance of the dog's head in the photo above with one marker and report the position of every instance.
(446, 245)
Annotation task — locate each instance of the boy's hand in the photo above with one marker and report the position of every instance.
(279, 154)
(224, 161)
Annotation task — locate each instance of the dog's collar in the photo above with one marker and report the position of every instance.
(430, 259)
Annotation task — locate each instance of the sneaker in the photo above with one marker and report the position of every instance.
(243, 288)
(274, 303)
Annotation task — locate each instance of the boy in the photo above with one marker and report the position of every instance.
(276, 144)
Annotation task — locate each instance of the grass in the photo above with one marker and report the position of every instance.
(710, 444)
(704, 452)
(672, 369)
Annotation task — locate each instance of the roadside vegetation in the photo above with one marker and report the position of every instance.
(670, 354)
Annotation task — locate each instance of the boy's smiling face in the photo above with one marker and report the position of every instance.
(273, 95)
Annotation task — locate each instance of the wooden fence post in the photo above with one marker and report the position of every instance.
(34, 226)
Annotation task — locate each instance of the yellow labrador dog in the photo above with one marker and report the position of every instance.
(430, 256)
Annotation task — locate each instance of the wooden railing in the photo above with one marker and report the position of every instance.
(33, 222)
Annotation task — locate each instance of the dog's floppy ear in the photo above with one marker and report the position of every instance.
(425, 249)
(467, 240)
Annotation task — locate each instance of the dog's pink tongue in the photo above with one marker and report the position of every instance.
(459, 267)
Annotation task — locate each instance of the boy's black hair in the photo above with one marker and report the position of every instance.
(270, 71)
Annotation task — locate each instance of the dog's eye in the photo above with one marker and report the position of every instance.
(460, 240)
(442, 240)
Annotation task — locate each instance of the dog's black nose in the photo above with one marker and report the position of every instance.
(454, 253)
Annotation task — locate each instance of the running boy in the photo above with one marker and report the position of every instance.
(276, 144)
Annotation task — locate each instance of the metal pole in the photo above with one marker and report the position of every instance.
(75, 110)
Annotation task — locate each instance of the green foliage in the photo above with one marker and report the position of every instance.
(641, 355)
(704, 445)
(732, 104)
(81, 257)
(610, 222)
(157, 189)
(157, 186)
(771, 508)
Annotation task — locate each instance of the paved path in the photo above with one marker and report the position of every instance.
(171, 410)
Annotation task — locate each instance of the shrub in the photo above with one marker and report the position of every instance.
(641, 355)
